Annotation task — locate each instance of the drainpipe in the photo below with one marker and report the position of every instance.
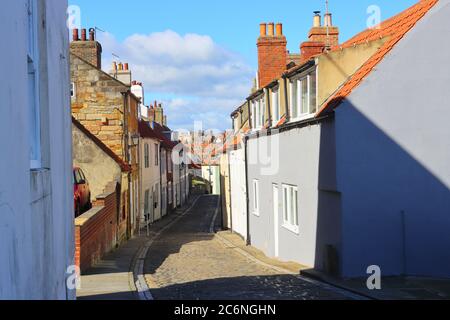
(269, 107)
(127, 158)
(249, 242)
(160, 180)
(249, 114)
(231, 201)
(288, 112)
(229, 181)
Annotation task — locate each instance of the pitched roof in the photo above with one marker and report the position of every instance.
(160, 130)
(123, 165)
(395, 28)
(146, 132)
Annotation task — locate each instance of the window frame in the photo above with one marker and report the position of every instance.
(297, 96)
(258, 112)
(146, 156)
(73, 90)
(156, 155)
(291, 220)
(256, 198)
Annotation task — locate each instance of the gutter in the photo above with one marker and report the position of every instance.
(293, 125)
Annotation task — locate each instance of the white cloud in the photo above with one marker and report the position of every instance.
(216, 80)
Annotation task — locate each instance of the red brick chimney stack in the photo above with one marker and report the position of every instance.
(321, 37)
(272, 53)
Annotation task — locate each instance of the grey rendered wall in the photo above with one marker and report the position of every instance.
(36, 207)
(393, 155)
(299, 156)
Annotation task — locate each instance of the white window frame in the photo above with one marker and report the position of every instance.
(34, 107)
(73, 90)
(256, 198)
(290, 208)
(258, 107)
(297, 96)
(276, 105)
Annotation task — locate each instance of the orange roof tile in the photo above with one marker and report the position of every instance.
(396, 28)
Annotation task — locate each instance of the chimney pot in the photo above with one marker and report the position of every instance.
(271, 29)
(75, 36)
(263, 29)
(317, 21)
(83, 34)
(328, 20)
(114, 66)
(126, 66)
(279, 29)
(91, 34)
(120, 66)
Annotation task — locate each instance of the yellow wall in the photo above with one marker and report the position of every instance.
(334, 68)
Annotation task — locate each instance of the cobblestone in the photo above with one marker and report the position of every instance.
(187, 262)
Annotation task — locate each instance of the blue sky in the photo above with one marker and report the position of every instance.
(198, 57)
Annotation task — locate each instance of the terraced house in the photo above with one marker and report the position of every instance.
(104, 104)
(344, 170)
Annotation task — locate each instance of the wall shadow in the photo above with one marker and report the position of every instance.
(378, 204)
(254, 288)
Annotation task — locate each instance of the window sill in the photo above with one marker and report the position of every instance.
(293, 229)
(256, 214)
(303, 117)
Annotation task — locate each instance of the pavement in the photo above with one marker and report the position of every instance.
(392, 288)
(112, 278)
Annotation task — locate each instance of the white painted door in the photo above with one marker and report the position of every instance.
(238, 192)
(276, 206)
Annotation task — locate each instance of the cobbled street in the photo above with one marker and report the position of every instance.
(188, 262)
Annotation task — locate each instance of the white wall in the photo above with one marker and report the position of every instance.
(36, 208)
(238, 192)
(294, 161)
(150, 179)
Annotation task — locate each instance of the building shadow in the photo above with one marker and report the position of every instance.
(378, 204)
(253, 288)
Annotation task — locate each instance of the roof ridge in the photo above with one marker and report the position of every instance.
(355, 80)
(123, 165)
(99, 69)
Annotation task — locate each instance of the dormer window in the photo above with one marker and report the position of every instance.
(303, 97)
(258, 106)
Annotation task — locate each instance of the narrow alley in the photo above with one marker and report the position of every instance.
(188, 262)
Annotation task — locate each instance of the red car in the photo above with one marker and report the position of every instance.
(81, 192)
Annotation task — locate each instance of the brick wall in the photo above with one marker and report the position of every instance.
(272, 58)
(96, 230)
(321, 34)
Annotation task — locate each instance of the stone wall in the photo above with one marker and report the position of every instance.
(98, 104)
